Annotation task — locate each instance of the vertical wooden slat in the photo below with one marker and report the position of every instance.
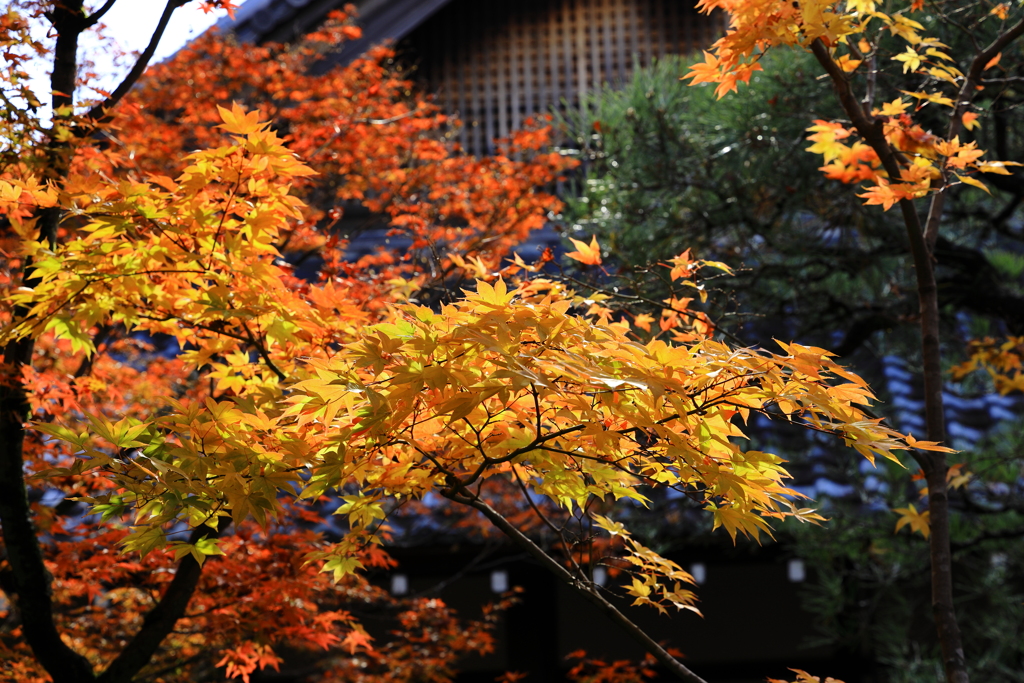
(622, 40)
(607, 76)
(636, 39)
(646, 27)
(594, 42)
(658, 27)
(442, 73)
(463, 55)
(489, 69)
(501, 82)
(580, 17)
(452, 84)
(479, 86)
(554, 91)
(541, 60)
(672, 26)
(515, 73)
(525, 36)
(568, 86)
(689, 31)
(680, 29)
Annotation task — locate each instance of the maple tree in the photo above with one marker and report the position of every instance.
(198, 467)
(103, 596)
(898, 160)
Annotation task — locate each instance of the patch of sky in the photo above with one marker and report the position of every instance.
(126, 29)
(52, 498)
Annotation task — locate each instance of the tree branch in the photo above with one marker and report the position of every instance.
(932, 463)
(95, 17)
(29, 580)
(161, 619)
(963, 100)
(100, 111)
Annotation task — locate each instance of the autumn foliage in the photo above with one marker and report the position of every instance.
(183, 250)
(192, 400)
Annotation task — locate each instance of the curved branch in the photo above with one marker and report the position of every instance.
(161, 619)
(95, 17)
(100, 113)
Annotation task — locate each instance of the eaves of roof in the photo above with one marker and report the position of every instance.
(284, 20)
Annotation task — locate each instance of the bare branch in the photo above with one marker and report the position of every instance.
(584, 587)
(101, 111)
(967, 93)
(95, 17)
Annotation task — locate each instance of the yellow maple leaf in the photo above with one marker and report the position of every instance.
(847, 64)
(907, 29)
(704, 72)
(860, 6)
(910, 58)
(918, 521)
(894, 108)
(643, 321)
(926, 445)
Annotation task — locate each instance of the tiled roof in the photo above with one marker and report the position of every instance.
(283, 20)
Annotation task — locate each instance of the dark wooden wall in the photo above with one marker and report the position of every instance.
(495, 62)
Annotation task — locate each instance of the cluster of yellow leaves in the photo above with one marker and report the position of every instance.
(1004, 362)
(756, 25)
(648, 569)
(857, 31)
(194, 258)
(920, 522)
(509, 383)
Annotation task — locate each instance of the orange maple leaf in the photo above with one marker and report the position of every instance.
(357, 639)
(590, 254)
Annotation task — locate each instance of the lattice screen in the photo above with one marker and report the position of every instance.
(494, 62)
